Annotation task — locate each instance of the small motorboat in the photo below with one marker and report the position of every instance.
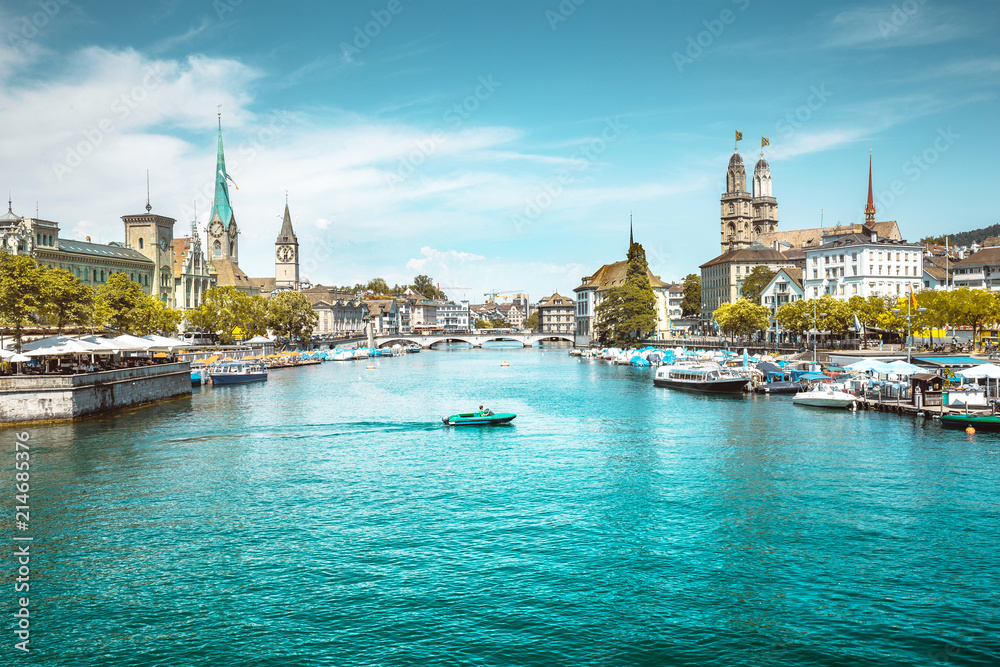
(977, 420)
(825, 396)
(196, 380)
(781, 387)
(484, 418)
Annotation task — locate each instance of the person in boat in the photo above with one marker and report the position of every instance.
(484, 412)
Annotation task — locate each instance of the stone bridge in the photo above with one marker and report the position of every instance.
(475, 340)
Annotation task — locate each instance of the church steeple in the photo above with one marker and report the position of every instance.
(222, 230)
(870, 208)
(287, 234)
(222, 206)
(286, 260)
(630, 241)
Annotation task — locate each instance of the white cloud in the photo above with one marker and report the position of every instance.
(902, 24)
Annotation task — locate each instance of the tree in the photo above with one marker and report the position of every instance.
(938, 311)
(483, 324)
(21, 292)
(65, 298)
(124, 301)
(742, 317)
(691, 303)
(290, 314)
(795, 316)
(222, 311)
(377, 286)
(628, 312)
(252, 315)
(755, 282)
(425, 286)
(154, 316)
(531, 322)
(974, 308)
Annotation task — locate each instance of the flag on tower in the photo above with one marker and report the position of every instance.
(228, 178)
(764, 141)
(739, 136)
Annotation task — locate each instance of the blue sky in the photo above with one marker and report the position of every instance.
(497, 145)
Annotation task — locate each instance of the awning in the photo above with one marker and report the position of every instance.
(982, 371)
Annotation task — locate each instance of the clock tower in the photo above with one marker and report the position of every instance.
(223, 234)
(286, 255)
(153, 236)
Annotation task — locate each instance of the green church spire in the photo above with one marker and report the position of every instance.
(221, 207)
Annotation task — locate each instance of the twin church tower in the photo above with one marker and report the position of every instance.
(746, 215)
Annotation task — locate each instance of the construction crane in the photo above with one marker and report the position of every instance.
(464, 289)
(493, 294)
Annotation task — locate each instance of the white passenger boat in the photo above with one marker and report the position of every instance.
(237, 372)
(705, 378)
(825, 396)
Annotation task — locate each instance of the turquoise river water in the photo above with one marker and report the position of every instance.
(326, 517)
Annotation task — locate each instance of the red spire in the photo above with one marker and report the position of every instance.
(870, 209)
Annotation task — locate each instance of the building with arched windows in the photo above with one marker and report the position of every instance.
(745, 215)
(92, 263)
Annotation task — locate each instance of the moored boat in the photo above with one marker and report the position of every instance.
(824, 396)
(978, 421)
(485, 418)
(781, 387)
(704, 378)
(237, 372)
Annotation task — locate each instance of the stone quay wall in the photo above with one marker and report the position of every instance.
(25, 398)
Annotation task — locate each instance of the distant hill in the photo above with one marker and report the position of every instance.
(965, 238)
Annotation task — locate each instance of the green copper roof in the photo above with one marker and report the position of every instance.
(221, 207)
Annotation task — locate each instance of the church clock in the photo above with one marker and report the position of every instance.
(286, 253)
(232, 230)
(216, 229)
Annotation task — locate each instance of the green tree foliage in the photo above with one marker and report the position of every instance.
(290, 314)
(125, 302)
(627, 313)
(483, 324)
(425, 286)
(795, 316)
(22, 289)
(754, 283)
(154, 316)
(224, 309)
(377, 286)
(974, 308)
(964, 238)
(65, 299)
(742, 317)
(691, 303)
(531, 322)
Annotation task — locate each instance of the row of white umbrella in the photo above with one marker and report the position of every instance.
(58, 346)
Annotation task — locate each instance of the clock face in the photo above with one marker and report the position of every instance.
(232, 230)
(216, 229)
(286, 253)
(163, 243)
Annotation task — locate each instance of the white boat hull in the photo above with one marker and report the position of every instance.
(824, 399)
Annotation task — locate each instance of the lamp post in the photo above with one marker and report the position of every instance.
(816, 316)
(909, 315)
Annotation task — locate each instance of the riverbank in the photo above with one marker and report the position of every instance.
(34, 398)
